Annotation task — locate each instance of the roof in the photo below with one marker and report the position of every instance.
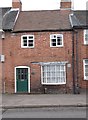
(0, 18)
(42, 20)
(45, 20)
(79, 19)
(2, 12)
(9, 19)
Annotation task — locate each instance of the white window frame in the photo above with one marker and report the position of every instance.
(85, 33)
(52, 37)
(55, 83)
(22, 46)
(85, 77)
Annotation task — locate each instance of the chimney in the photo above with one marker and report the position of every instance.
(17, 4)
(65, 4)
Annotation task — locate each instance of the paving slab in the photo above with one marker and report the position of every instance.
(43, 100)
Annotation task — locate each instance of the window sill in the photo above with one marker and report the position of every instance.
(85, 44)
(28, 47)
(56, 46)
(85, 79)
(54, 83)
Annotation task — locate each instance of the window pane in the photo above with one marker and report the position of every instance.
(86, 74)
(86, 70)
(86, 61)
(54, 36)
(24, 42)
(59, 41)
(48, 68)
(30, 37)
(86, 36)
(48, 80)
(25, 38)
(62, 67)
(44, 80)
(30, 43)
(53, 42)
(18, 72)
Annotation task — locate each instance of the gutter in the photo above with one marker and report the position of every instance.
(46, 30)
(81, 27)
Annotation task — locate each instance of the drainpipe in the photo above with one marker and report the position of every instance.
(77, 84)
(75, 65)
(3, 80)
(73, 72)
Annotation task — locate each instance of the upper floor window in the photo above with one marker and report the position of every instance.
(85, 69)
(56, 40)
(86, 37)
(27, 41)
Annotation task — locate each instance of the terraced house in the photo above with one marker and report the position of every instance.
(44, 51)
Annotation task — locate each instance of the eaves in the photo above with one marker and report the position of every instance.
(47, 30)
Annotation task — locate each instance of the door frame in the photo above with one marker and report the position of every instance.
(28, 77)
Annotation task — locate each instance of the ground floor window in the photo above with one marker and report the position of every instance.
(53, 74)
(85, 62)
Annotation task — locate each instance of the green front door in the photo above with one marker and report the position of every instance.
(22, 80)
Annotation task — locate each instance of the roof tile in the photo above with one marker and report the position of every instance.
(42, 20)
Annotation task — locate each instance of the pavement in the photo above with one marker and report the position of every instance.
(11, 101)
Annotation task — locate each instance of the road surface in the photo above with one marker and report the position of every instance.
(47, 112)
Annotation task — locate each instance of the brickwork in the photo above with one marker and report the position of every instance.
(79, 55)
(73, 48)
(65, 5)
(42, 52)
(0, 66)
(82, 55)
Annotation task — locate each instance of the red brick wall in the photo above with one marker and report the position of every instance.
(0, 65)
(42, 52)
(82, 55)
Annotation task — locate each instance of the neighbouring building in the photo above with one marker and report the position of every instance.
(2, 12)
(44, 51)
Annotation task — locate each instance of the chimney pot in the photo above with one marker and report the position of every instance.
(65, 4)
(17, 4)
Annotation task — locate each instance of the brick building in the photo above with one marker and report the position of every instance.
(44, 51)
